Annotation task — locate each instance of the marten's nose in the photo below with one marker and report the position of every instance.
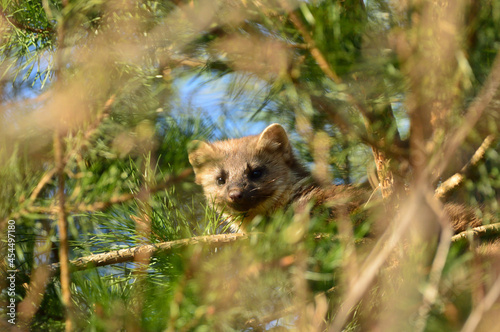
(235, 195)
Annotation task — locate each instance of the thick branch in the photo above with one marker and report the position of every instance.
(129, 254)
(477, 232)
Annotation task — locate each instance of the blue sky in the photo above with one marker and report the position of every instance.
(210, 99)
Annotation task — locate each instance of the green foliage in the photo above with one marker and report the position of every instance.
(110, 78)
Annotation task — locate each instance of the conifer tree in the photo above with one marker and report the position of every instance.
(101, 223)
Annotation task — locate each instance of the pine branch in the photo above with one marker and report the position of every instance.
(129, 254)
(98, 206)
(321, 60)
(313, 48)
(386, 176)
(477, 232)
(24, 27)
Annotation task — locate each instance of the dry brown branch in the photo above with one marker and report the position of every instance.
(374, 262)
(130, 254)
(62, 224)
(60, 165)
(477, 232)
(458, 177)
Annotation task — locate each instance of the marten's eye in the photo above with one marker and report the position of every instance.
(255, 174)
(220, 180)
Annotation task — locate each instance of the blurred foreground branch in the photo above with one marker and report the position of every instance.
(88, 133)
(477, 314)
(474, 113)
(62, 224)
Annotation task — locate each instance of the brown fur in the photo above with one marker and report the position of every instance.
(461, 217)
(256, 175)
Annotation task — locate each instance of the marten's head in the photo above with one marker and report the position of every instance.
(250, 175)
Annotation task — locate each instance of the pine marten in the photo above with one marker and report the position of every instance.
(256, 175)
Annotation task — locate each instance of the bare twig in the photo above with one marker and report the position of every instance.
(129, 254)
(477, 231)
(373, 264)
(458, 177)
(60, 164)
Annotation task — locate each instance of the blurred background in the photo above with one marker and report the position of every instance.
(99, 100)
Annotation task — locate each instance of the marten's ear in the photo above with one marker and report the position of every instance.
(274, 139)
(199, 153)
